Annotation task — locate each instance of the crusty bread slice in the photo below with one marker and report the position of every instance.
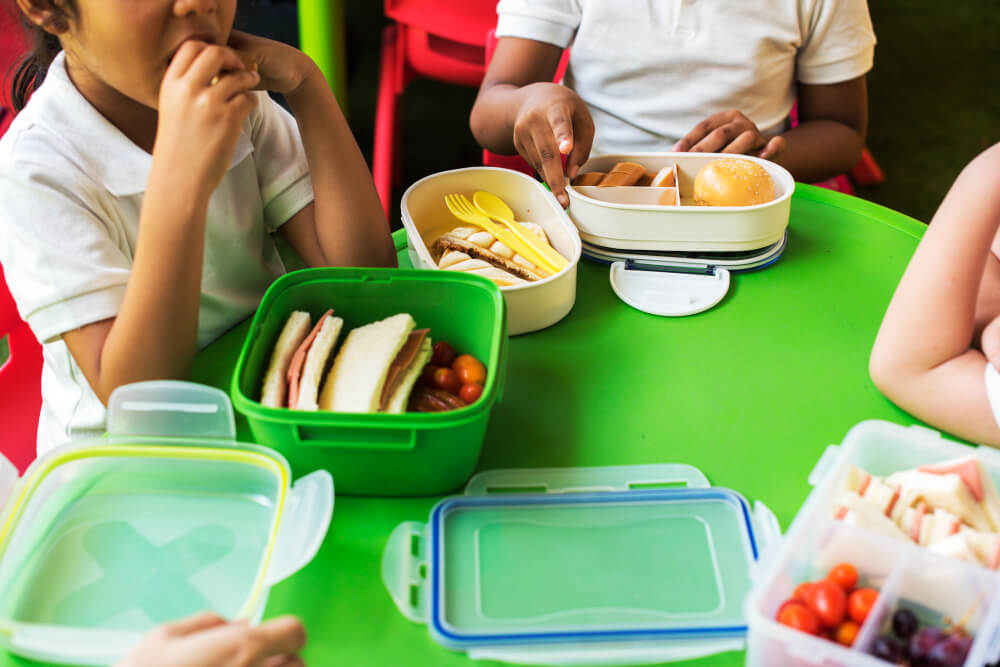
(355, 382)
(397, 402)
(272, 393)
(479, 244)
(315, 363)
(454, 260)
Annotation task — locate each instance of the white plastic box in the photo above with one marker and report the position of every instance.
(652, 227)
(932, 585)
(425, 217)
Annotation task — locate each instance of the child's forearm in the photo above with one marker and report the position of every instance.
(820, 149)
(493, 116)
(350, 224)
(931, 318)
(155, 334)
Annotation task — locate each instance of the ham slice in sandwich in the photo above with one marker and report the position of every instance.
(309, 361)
(275, 386)
(377, 366)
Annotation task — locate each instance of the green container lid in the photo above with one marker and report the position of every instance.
(548, 565)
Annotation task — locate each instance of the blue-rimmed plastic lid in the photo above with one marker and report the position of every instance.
(637, 555)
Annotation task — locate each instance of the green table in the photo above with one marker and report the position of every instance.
(750, 392)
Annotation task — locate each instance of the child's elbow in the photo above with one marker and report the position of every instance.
(884, 370)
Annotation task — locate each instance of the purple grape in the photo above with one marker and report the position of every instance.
(887, 648)
(951, 651)
(904, 623)
(923, 641)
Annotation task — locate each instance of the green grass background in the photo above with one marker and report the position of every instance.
(934, 101)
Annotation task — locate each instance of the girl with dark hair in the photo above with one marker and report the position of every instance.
(142, 183)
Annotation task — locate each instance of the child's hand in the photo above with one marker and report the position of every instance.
(207, 640)
(553, 121)
(730, 132)
(282, 68)
(204, 99)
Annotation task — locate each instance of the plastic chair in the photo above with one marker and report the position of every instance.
(20, 384)
(866, 172)
(445, 41)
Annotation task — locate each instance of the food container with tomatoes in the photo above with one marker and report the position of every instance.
(416, 452)
(919, 608)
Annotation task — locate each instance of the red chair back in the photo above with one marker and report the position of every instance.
(20, 384)
(465, 22)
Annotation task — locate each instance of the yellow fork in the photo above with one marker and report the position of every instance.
(462, 208)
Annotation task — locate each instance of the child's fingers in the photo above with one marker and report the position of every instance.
(561, 121)
(195, 623)
(184, 56)
(212, 62)
(231, 84)
(581, 146)
(279, 636)
(747, 142)
(774, 147)
(283, 661)
(550, 161)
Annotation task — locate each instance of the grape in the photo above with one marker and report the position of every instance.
(887, 648)
(923, 641)
(951, 651)
(904, 623)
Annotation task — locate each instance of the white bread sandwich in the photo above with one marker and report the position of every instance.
(275, 386)
(479, 244)
(456, 260)
(376, 367)
(853, 509)
(947, 492)
(309, 361)
(977, 480)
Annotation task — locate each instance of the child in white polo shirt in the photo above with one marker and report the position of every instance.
(142, 182)
(684, 75)
(938, 348)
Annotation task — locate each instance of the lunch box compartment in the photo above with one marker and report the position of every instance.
(935, 586)
(379, 454)
(425, 217)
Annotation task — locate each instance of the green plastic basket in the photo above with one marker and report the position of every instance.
(379, 454)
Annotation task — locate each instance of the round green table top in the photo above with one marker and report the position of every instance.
(750, 392)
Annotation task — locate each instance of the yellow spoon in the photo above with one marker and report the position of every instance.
(491, 205)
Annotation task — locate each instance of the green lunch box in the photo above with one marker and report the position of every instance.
(379, 454)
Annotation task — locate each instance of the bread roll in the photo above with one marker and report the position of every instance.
(733, 182)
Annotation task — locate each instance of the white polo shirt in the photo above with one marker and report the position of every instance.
(650, 71)
(71, 187)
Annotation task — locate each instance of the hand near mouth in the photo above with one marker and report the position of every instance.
(282, 68)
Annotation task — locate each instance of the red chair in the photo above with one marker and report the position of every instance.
(442, 40)
(20, 384)
(866, 172)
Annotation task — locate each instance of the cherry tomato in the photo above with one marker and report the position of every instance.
(860, 603)
(846, 633)
(802, 590)
(797, 615)
(470, 392)
(447, 379)
(442, 354)
(469, 369)
(427, 375)
(844, 575)
(828, 601)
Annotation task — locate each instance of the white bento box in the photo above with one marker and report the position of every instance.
(933, 585)
(425, 217)
(668, 228)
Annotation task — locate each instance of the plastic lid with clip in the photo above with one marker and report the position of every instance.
(164, 517)
(614, 565)
(678, 284)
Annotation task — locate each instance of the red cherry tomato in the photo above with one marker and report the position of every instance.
(860, 603)
(802, 590)
(469, 369)
(470, 392)
(443, 354)
(427, 375)
(844, 575)
(846, 633)
(797, 615)
(447, 379)
(828, 601)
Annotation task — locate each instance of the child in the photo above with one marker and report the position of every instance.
(142, 182)
(718, 76)
(938, 349)
(206, 640)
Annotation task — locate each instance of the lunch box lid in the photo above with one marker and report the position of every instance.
(680, 283)
(582, 565)
(165, 516)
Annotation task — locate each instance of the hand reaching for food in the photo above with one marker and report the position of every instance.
(730, 132)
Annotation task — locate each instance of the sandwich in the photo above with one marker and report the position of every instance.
(475, 243)
(298, 359)
(377, 366)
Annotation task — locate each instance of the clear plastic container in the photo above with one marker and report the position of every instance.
(935, 586)
(103, 539)
(612, 565)
(425, 217)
